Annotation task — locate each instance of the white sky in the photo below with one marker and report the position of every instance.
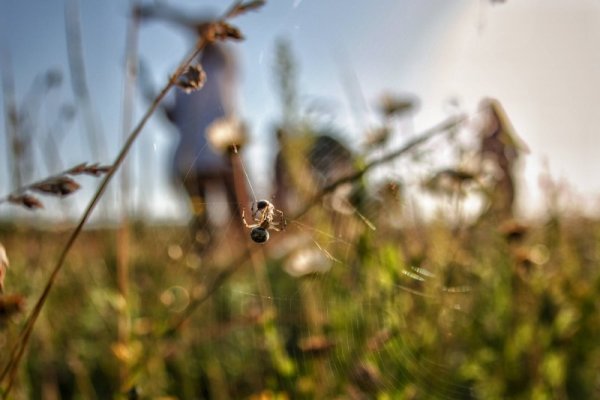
(538, 57)
(541, 59)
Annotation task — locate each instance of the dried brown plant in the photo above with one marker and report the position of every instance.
(192, 79)
(393, 105)
(444, 127)
(221, 30)
(241, 7)
(57, 185)
(25, 200)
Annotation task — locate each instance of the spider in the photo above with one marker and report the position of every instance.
(264, 215)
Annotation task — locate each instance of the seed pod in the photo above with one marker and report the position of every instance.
(223, 31)
(192, 79)
(245, 7)
(60, 186)
(25, 200)
(94, 169)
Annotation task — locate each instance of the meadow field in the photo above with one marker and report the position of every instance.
(394, 265)
(428, 311)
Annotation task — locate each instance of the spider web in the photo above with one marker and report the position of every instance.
(334, 302)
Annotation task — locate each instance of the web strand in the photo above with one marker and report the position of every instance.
(235, 150)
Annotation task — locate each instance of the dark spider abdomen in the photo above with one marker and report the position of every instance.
(259, 235)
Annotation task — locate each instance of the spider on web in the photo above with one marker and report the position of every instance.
(265, 216)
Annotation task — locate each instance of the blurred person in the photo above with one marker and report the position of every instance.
(197, 164)
(306, 164)
(499, 150)
(202, 160)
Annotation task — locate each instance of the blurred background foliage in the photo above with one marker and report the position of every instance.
(367, 294)
(428, 311)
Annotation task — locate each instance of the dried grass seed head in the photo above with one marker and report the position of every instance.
(395, 105)
(241, 8)
(94, 169)
(59, 186)
(25, 200)
(224, 30)
(218, 30)
(192, 79)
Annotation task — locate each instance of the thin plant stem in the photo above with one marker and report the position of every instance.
(19, 349)
(11, 117)
(442, 127)
(79, 80)
(216, 283)
(123, 232)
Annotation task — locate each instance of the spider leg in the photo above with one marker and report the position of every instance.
(246, 223)
(255, 212)
(278, 225)
(282, 222)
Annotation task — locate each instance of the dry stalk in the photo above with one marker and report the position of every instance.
(123, 231)
(223, 31)
(442, 127)
(77, 71)
(11, 118)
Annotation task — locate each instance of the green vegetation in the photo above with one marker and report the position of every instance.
(360, 297)
(423, 312)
